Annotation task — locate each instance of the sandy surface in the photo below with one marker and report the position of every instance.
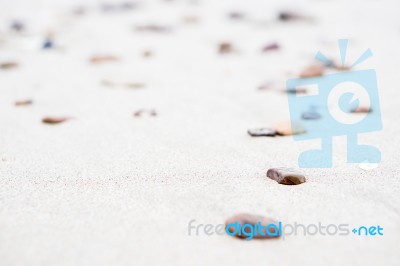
(109, 189)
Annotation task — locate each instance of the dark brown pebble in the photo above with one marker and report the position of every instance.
(252, 220)
(54, 120)
(262, 132)
(23, 102)
(286, 176)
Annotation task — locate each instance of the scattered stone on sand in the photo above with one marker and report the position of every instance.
(236, 15)
(116, 83)
(288, 128)
(17, 25)
(8, 65)
(55, 119)
(252, 221)
(296, 90)
(262, 132)
(225, 48)
(99, 59)
(190, 19)
(361, 110)
(271, 47)
(152, 28)
(287, 16)
(310, 115)
(150, 112)
(147, 54)
(48, 43)
(23, 102)
(315, 70)
(286, 176)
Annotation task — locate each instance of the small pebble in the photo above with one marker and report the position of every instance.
(286, 176)
(288, 128)
(48, 44)
(262, 132)
(312, 71)
(310, 116)
(190, 19)
(150, 112)
(225, 48)
(54, 120)
(8, 65)
(17, 26)
(297, 90)
(23, 102)
(103, 59)
(147, 54)
(152, 28)
(271, 47)
(236, 15)
(253, 220)
(291, 16)
(362, 110)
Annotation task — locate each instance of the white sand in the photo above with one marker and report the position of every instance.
(109, 189)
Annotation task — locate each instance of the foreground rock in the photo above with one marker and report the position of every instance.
(286, 176)
(247, 226)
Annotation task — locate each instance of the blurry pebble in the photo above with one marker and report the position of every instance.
(286, 176)
(48, 44)
(271, 47)
(190, 19)
(23, 102)
(17, 25)
(147, 53)
(262, 132)
(152, 28)
(288, 128)
(236, 15)
(54, 120)
(8, 65)
(252, 220)
(291, 16)
(225, 48)
(297, 90)
(131, 85)
(150, 112)
(310, 116)
(312, 71)
(103, 59)
(134, 85)
(362, 110)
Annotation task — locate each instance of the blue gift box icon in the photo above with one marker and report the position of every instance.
(343, 91)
